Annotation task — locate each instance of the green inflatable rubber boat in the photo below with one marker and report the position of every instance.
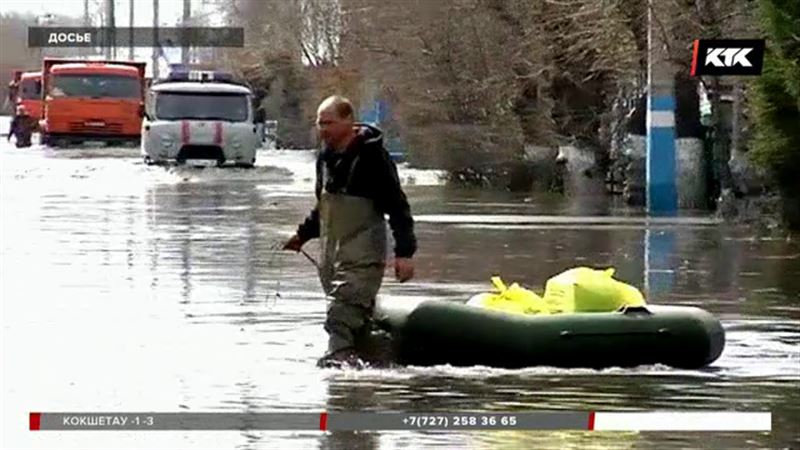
(439, 332)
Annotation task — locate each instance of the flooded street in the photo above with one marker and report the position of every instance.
(135, 288)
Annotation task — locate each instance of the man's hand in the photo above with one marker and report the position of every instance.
(403, 269)
(294, 243)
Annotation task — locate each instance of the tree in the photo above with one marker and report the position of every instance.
(476, 80)
(16, 55)
(777, 103)
(286, 42)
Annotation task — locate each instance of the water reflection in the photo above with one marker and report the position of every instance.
(447, 393)
(177, 266)
(215, 233)
(357, 397)
(659, 269)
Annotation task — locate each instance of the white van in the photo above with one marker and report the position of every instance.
(199, 119)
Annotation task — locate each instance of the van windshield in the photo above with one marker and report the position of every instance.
(201, 106)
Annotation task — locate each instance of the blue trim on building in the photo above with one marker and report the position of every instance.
(662, 103)
(662, 195)
(660, 246)
(379, 113)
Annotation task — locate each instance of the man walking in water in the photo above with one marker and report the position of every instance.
(21, 127)
(357, 184)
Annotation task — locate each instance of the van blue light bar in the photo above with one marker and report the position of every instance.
(200, 76)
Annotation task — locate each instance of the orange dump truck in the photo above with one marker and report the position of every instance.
(29, 92)
(92, 101)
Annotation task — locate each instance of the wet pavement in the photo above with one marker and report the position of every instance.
(135, 288)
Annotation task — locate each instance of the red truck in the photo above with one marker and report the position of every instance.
(28, 92)
(92, 101)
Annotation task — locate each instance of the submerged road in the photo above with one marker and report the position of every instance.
(133, 288)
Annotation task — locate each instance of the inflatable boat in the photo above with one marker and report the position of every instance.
(439, 332)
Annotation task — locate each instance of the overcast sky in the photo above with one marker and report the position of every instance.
(170, 11)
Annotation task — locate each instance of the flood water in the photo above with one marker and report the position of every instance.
(132, 288)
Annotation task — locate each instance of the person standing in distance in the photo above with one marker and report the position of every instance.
(356, 185)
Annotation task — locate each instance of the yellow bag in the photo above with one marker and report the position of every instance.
(583, 289)
(514, 299)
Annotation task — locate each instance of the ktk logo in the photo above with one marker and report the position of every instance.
(733, 56)
(728, 57)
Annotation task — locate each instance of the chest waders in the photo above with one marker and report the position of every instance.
(353, 241)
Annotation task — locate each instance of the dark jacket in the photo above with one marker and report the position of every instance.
(21, 127)
(374, 177)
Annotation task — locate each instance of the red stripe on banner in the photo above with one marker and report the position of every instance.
(217, 133)
(36, 421)
(184, 133)
(590, 425)
(323, 421)
(694, 56)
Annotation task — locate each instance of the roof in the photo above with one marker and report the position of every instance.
(31, 75)
(205, 87)
(93, 67)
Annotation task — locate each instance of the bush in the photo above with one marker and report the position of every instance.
(776, 144)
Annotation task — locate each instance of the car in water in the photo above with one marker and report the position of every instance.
(199, 118)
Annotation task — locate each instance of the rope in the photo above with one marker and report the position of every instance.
(277, 249)
(310, 258)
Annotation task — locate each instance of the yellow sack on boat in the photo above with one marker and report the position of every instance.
(512, 299)
(583, 289)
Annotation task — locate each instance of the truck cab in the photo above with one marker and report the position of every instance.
(92, 101)
(199, 116)
(29, 93)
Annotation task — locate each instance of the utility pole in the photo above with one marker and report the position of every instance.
(187, 12)
(156, 47)
(111, 42)
(662, 196)
(130, 29)
(42, 21)
(87, 23)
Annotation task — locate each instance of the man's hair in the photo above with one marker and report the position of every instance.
(342, 106)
